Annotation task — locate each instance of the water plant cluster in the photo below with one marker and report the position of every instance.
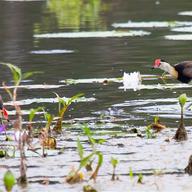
(90, 161)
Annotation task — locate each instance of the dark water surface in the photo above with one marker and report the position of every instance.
(62, 58)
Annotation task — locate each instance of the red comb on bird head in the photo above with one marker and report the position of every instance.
(157, 63)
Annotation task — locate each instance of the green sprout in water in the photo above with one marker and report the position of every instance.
(33, 112)
(149, 133)
(9, 181)
(87, 131)
(46, 139)
(114, 162)
(181, 133)
(86, 160)
(140, 178)
(157, 126)
(88, 188)
(131, 173)
(89, 158)
(62, 108)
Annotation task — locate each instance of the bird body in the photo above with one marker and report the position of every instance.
(180, 71)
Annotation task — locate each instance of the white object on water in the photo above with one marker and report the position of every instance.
(152, 24)
(53, 51)
(182, 37)
(186, 13)
(131, 81)
(92, 34)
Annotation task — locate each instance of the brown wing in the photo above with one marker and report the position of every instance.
(184, 68)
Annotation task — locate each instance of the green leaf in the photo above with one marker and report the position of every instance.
(156, 119)
(148, 132)
(80, 148)
(73, 98)
(140, 178)
(114, 162)
(85, 160)
(100, 158)
(9, 180)
(61, 101)
(92, 140)
(48, 118)
(182, 99)
(130, 173)
(100, 141)
(87, 131)
(33, 112)
(29, 74)
(16, 72)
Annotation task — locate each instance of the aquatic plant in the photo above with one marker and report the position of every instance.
(131, 173)
(181, 133)
(88, 188)
(33, 112)
(63, 105)
(86, 160)
(148, 132)
(47, 141)
(9, 180)
(74, 176)
(99, 154)
(21, 135)
(157, 125)
(140, 178)
(114, 162)
(93, 142)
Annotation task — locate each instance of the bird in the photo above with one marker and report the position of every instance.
(181, 71)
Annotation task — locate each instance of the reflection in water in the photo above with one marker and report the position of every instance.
(77, 13)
